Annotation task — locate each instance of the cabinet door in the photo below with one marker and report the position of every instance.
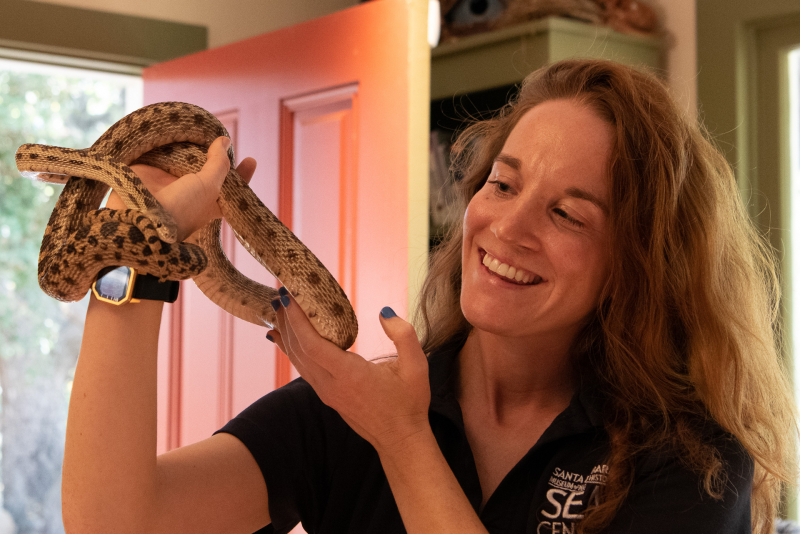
(335, 112)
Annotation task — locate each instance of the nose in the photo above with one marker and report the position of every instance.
(520, 224)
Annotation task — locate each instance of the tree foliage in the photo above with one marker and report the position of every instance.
(39, 336)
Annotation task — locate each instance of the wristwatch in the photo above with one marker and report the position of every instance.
(121, 285)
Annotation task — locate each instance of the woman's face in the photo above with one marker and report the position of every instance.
(542, 219)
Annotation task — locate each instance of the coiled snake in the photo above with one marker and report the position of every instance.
(81, 238)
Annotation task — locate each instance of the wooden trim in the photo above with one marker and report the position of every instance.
(229, 119)
(70, 32)
(175, 377)
(420, 87)
(226, 339)
(283, 367)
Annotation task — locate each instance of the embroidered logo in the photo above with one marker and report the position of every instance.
(568, 496)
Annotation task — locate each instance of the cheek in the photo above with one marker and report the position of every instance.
(472, 221)
(589, 265)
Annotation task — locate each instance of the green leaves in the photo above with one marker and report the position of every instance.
(56, 109)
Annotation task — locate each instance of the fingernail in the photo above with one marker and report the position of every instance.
(283, 291)
(388, 313)
(285, 301)
(276, 304)
(226, 143)
(269, 337)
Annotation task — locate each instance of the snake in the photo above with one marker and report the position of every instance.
(82, 238)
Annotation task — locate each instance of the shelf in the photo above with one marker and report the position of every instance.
(506, 56)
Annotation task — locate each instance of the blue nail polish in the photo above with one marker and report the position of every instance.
(283, 291)
(285, 301)
(269, 337)
(388, 313)
(276, 304)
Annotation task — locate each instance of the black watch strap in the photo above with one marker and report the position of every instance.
(148, 287)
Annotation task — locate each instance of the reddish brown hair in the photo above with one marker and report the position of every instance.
(688, 327)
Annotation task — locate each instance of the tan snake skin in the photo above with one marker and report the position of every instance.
(81, 239)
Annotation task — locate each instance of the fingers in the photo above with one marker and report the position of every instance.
(246, 169)
(315, 357)
(275, 337)
(410, 355)
(214, 171)
(154, 180)
(192, 198)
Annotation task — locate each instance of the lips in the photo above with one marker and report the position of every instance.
(509, 273)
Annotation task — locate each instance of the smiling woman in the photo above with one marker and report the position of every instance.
(591, 180)
(539, 212)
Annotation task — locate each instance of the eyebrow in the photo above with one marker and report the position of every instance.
(574, 192)
(586, 195)
(511, 161)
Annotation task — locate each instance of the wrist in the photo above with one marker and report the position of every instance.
(402, 442)
(122, 285)
(146, 313)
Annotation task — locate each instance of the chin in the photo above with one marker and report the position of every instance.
(498, 324)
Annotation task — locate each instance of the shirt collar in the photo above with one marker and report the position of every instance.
(583, 412)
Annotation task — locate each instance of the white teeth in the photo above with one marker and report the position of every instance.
(505, 270)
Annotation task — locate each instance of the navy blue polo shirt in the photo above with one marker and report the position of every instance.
(319, 472)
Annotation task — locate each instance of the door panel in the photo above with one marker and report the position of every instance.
(324, 107)
(319, 137)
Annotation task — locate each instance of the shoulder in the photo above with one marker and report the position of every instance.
(296, 401)
(285, 419)
(667, 496)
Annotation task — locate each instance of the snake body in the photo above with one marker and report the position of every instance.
(81, 239)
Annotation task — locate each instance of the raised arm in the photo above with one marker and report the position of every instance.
(112, 479)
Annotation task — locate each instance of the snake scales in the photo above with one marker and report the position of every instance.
(81, 238)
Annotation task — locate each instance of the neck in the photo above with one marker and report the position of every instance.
(507, 378)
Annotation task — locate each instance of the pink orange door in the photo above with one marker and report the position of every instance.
(331, 110)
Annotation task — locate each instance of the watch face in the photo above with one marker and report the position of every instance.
(114, 285)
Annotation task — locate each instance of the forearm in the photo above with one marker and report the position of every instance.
(109, 473)
(426, 490)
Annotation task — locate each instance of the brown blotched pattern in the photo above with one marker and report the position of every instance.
(81, 239)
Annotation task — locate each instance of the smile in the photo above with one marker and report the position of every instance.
(509, 272)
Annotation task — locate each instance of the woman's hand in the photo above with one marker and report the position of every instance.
(192, 199)
(385, 403)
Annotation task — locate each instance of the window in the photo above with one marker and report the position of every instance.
(39, 336)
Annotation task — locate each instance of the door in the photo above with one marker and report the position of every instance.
(335, 112)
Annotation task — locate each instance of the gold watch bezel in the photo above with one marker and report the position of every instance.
(128, 298)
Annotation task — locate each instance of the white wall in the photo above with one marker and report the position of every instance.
(233, 20)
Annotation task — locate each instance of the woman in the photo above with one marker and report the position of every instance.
(600, 356)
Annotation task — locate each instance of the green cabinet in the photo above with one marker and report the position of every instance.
(506, 56)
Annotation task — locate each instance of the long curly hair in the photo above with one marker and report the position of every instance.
(688, 327)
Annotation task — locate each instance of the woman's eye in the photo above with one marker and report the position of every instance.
(566, 216)
(500, 187)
